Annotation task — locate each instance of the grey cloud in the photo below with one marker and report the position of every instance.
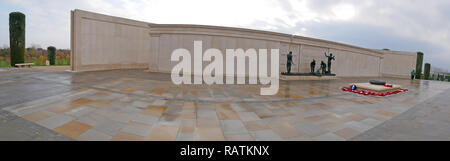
(410, 25)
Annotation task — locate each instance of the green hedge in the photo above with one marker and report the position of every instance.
(427, 71)
(52, 55)
(17, 37)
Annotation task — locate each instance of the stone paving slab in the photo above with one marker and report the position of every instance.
(14, 128)
(123, 105)
(427, 121)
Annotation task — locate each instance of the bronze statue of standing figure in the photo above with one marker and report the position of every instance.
(289, 62)
(313, 65)
(323, 67)
(330, 58)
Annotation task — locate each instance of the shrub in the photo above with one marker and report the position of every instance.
(52, 55)
(17, 37)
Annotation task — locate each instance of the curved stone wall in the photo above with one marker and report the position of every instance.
(101, 42)
(398, 64)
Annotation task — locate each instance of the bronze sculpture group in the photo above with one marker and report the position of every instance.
(323, 70)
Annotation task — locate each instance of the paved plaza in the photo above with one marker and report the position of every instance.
(133, 105)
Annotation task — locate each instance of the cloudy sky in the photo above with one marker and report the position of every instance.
(407, 25)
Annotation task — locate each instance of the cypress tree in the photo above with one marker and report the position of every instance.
(419, 64)
(17, 37)
(51, 55)
(426, 73)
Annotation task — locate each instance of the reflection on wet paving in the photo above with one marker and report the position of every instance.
(137, 105)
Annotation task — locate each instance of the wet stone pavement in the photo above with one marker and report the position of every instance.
(137, 105)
